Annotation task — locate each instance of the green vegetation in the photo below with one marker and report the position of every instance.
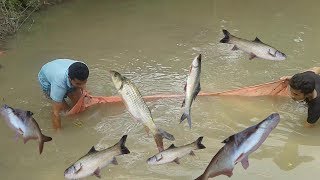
(14, 13)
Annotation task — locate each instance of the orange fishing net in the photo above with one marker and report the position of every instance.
(276, 88)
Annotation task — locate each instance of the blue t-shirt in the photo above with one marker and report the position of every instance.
(54, 78)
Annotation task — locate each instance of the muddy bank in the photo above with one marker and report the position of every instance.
(15, 13)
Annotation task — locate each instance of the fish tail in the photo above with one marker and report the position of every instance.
(226, 38)
(186, 115)
(201, 177)
(159, 141)
(198, 143)
(44, 139)
(166, 135)
(123, 148)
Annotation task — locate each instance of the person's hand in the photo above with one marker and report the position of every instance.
(285, 78)
(308, 125)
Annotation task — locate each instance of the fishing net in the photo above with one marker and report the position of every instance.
(276, 88)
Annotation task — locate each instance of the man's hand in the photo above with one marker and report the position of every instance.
(57, 108)
(308, 125)
(285, 78)
(316, 70)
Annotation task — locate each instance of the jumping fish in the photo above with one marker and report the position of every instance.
(255, 48)
(238, 147)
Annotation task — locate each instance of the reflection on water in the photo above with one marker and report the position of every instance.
(287, 156)
(153, 44)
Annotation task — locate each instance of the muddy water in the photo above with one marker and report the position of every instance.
(153, 44)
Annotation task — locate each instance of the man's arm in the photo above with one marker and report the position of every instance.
(308, 125)
(57, 109)
(313, 115)
(316, 70)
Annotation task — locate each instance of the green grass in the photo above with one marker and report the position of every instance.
(14, 13)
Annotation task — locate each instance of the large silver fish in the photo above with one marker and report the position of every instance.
(192, 88)
(173, 153)
(24, 124)
(94, 161)
(238, 147)
(138, 108)
(255, 48)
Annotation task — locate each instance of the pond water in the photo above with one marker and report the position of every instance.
(153, 43)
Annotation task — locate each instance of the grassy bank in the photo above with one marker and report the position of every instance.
(14, 13)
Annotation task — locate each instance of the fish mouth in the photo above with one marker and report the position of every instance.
(280, 55)
(197, 61)
(270, 122)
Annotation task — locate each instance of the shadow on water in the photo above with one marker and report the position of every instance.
(287, 156)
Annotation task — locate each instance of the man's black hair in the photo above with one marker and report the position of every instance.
(303, 81)
(78, 70)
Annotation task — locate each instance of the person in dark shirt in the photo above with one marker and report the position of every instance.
(306, 87)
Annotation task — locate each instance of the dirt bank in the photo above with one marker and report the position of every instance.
(15, 13)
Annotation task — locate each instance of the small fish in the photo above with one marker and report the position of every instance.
(255, 48)
(24, 124)
(94, 161)
(173, 153)
(238, 147)
(192, 88)
(138, 108)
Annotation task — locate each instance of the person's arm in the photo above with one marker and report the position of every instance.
(58, 105)
(313, 115)
(75, 95)
(308, 125)
(57, 109)
(56, 120)
(316, 70)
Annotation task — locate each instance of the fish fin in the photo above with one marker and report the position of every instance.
(257, 40)
(183, 102)
(166, 135)
(114, 161)
(172, 146)
(252, 56)
(230, 138)
(123, 148)
(240, 158)
(201, 177)
(269, 52)
(29, 113)
(159, 141)
(16, 137)
(26, 139)
(20, 131)
(192, 153)
(77, 170)
(43, 139)
(97, 173)
(159, 158)
(245, 162)
(226, 38)
(198, 143)
(196, 92)
(176, 161)
(186, 115)
(228, 173)
(92, 150)
(147, 130)
(235, 48)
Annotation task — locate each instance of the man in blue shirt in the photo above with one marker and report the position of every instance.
(62, 78)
